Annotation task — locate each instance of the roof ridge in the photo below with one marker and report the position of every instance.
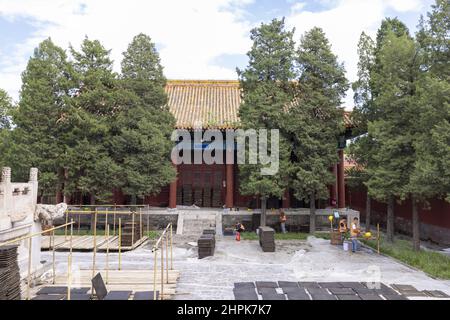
(188, 82)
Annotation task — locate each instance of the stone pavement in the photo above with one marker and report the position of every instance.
(314, 260)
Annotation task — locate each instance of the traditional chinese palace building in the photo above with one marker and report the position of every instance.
(215, 104)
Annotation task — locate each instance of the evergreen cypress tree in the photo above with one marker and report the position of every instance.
(315, 119)
(97, 102)
(363, 147)
(266, 93)
(142, 145)
(395, 28)
(40, 118)
(5, 108)
(394, 130)
(431, 175)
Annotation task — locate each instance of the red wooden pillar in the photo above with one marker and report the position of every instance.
(341, 180)
(229, 201)
(286, 203)
(173, 192)
(333, 188)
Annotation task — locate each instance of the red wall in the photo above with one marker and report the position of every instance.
(437, 215)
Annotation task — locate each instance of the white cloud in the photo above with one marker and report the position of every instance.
(343, 24)
(190, 33)
(405, 5)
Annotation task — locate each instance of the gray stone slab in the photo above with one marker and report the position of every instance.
(244, 285)
(245, 294)
(297, 296)
(330, 285)
(342, 291)
(317, 291)
(377, 285)
(245, 297)
(49, 297)
(62, 290)
(395, 297)
(436, 294)
(80, 297)
(273, 297)
(266, 284)
(415, 293)
(309, 285)
(285, 284)
(353, 285)
(403, 287)
(370, 297)
(323, 297)
(294, 290)
(99, 286)
(361, 291)
(118, 295)
(266, 291)
(348, 297)
(387, 291)
(145, 295)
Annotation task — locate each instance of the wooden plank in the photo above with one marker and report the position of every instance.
(120, 280)
(146, 277)
(114, 245)
(86, 243)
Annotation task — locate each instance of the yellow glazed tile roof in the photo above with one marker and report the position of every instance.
(208, 103)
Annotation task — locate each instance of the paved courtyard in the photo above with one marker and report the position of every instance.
(312, 260)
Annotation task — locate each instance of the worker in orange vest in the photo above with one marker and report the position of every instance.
(239, 228)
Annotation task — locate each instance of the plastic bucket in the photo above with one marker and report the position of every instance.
(345, 245)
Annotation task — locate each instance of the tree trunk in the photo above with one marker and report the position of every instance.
(263, 210)
(390, 219)
(415, 225)
(59, 186)
(66, 197)
(368, 212)
(92, 202)
(312, 213)
(133, 200)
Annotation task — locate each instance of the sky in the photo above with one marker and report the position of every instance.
(196, 39)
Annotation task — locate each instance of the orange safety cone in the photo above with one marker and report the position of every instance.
(238, 236)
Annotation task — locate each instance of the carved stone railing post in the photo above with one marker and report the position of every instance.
(6, 203)
(34, 185)
(6, 175)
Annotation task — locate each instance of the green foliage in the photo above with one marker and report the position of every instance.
(141, 142)
(434, 263)
(95, 106)
(431, 176)
(5, 108)
(314, 120)
(40, 117)
(393, 132)
(266, 92)
(434, 38)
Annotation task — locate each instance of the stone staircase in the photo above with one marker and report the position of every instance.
(192, 223)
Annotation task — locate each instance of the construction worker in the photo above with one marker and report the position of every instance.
(343, 228)
(283, 219)
(354, 233)
(239, 228)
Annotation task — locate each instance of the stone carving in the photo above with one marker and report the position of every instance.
(46, 213)
(18, 216)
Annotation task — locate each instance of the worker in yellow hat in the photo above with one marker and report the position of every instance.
(343, 228)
